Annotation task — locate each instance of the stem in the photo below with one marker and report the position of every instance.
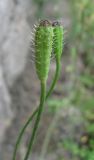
(55, 78)
(21, 133)
(36, 111)
(42, 100)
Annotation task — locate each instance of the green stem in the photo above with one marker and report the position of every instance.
(21, 133)
(36, 111)
(42, 101)
(55, 78)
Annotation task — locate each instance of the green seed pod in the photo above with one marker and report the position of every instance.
(43, 48)
(58, 39)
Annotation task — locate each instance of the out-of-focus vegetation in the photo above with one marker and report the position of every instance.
(83, 42)
(82, 34)
(83, 29)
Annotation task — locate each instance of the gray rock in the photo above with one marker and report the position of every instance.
(5, 102)
(14, 42)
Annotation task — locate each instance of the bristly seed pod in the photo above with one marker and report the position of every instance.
(43, 48)
(58, 39)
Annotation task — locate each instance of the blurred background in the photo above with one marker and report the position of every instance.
(66, 131)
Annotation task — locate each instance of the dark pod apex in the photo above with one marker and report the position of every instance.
(45, 23)
(56, 23)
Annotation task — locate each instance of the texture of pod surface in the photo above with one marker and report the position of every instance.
(43, 48)
(58, 39)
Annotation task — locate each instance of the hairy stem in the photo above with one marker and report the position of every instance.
(42, 101)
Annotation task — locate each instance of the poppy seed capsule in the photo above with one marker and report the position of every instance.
(43, 48)
(58, 39)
